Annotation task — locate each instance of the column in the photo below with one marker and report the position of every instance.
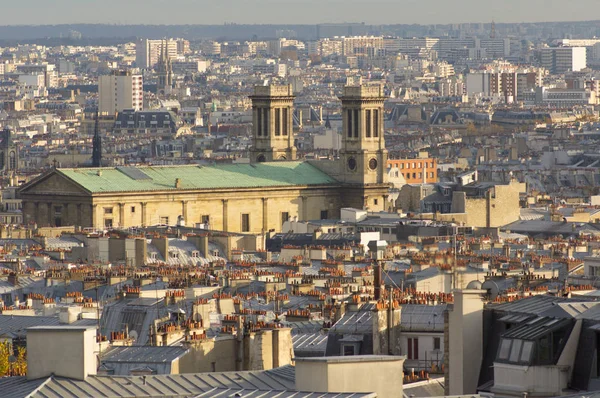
(225, 205)
(36, 213)
(265, 212)
(184, 211)
(304, 208)
(79, 216)
(94, 216)
(50, 214)
(144, 206)
(122, 214)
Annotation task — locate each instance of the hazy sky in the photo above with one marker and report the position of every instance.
(293, 11)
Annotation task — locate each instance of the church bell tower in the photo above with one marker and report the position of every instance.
(272, 115)
(363, 150)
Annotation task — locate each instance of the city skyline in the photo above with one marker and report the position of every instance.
(306, 12)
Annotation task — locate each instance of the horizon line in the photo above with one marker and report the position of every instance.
(291, 24)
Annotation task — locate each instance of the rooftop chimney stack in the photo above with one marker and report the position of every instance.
(63, 351)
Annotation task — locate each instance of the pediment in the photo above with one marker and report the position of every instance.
(53, 183)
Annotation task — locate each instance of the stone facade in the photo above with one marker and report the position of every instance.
(54, 199)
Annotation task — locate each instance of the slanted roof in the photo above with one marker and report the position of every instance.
(161, 178)
(423, 318)
(536, 328)
(177, 385)
(143, 354)
(534, 305)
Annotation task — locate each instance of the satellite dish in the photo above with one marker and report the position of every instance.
(133, 335)
(492, 289)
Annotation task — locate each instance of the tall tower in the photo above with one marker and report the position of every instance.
(165, 70)
(272, 115)
(363, 157)
(97, 144)
(363, 145)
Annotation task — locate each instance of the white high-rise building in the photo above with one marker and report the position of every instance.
(118, 91)
(147, 52)
(562, 59)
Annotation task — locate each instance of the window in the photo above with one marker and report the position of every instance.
(195, 254)
(515, 350)
(12, 161)
(324, 214)
(108, 210)
(245, 222)
(277, 121)
(348, 349)
(164, 220)
(285, 216)
(284, 121)
(108, 223)
(368, 123)
(376, 123)
(133, 209)
(349, 122)
(356, 123)
(258, 122)
(504, 349)
(436, 343)
(413, 348)
(375, 201)
(526, 351)
(414, 175)
(205, 219)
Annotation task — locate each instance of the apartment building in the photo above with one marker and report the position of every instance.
(147, 52)
(118, 91)
(562, 59)
(414, 171)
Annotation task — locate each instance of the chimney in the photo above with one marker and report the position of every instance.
(13, 278)
(70, 354)
(317, 233)
(177, 183)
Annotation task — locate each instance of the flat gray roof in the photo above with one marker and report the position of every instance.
(354, 358)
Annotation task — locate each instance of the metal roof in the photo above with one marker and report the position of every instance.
(536, 328)
(17, 325)
(422, 318)
(161, 178)
(179, 385)
(310, 342)
(358, 322)
(219, 392)
(534, 305)
(143, 354)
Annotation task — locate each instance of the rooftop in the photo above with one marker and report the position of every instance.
(161, 178)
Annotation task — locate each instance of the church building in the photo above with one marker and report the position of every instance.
(248, 198)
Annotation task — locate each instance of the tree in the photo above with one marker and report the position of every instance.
(4, 355)
(16, 367)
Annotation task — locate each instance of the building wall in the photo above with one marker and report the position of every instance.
(493, 210)
(203, 354)
(118, 92)
(412, 170)
(60, 200)
(379, 374)
(64, 352)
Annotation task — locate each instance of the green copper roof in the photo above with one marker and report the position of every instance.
(160, 178)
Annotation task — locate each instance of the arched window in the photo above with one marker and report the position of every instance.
(12, 160)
